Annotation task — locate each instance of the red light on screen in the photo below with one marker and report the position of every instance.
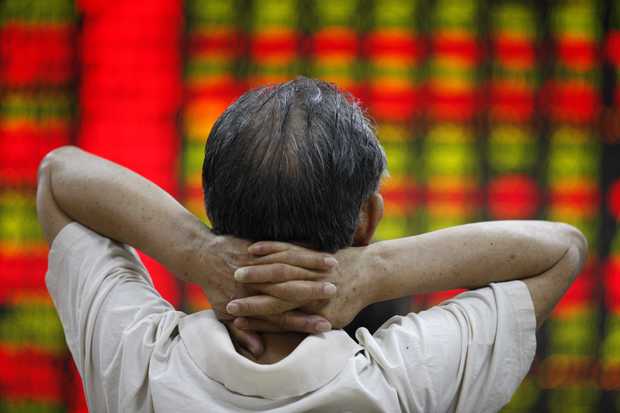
(612, 48)
(336, 42)
(131, 91)
(614, 199)
(577, 53)
(513, 197)
(397, 104)
(223, 42)
(22, 149)
(461, 45)
(400, 196)
(579, 196)
(225, 91)
(457, 200)
(394, 44)
(453, 106)
(513, 103)
(36, 54)
(612, 284)
(573, 102)
(277, 46)
(28, 373)
(21, 273)
(515, 52)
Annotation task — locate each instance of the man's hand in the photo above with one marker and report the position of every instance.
(119, 204)
(546, 256)
(218, 258)
(353, 293)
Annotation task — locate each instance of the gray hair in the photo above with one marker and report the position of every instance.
(291, 162)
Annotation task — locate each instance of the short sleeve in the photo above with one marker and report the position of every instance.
(110, 311)
(467, 354)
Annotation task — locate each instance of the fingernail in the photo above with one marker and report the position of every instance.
(255, 248)
(241, 323)
(241, 274)
(323, 326)
(232, 308)
(329, 289)
(256, 350)
(330, 261)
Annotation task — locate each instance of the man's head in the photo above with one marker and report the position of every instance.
(295, 162)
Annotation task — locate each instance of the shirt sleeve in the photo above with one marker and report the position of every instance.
(111, 314)
(467, 354)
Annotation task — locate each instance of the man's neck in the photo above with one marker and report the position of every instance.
(277, 347)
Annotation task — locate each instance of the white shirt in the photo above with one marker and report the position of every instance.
(136, 353)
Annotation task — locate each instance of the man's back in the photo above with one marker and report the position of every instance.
(136, 353)
(295, 163)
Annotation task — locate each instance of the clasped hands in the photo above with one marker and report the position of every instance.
(273, 286)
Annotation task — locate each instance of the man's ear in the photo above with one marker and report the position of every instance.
(370, 216)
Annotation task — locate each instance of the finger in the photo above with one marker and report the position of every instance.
(247, 339)
(255, 324)
(274, 273)
(299, 291)
(258, 305)
(222, 315)
(268, 247)
(299, 257)
(302, 322)
(295, 321)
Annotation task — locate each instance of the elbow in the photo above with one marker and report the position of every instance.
(61, 153)
(53, 158)
(576, 240)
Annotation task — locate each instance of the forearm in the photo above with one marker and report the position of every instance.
(119, 204)
(548, 288)
(124, 206)
(467, 256)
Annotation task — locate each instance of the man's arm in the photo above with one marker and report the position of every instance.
(119, 204)
(547, 256)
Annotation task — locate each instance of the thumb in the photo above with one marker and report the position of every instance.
(249, 340)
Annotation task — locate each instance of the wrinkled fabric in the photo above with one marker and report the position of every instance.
(136, 353)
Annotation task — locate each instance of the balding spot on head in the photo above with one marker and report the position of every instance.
(291, 162)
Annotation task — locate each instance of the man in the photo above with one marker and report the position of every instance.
(296, 164)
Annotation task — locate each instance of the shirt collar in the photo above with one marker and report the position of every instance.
(315, 361)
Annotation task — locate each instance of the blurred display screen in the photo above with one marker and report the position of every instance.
(486, 110)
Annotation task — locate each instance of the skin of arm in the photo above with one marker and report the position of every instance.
(115, 202)
(547, 256)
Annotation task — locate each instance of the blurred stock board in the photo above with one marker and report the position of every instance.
(486, 110)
